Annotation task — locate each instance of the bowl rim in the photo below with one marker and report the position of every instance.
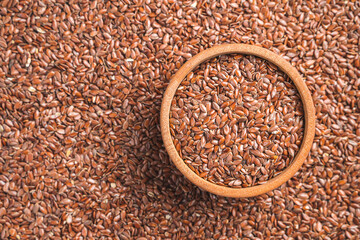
(287, 68)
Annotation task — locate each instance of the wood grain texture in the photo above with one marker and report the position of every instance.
(306, 99)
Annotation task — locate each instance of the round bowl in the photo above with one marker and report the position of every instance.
(308, 106)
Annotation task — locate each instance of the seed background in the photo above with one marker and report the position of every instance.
(81, 154)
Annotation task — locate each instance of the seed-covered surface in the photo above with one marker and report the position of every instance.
(237, 120)
(81, 155)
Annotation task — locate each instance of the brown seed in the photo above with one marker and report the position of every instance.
(76, 72)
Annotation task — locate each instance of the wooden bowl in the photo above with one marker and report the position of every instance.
(306, 99)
